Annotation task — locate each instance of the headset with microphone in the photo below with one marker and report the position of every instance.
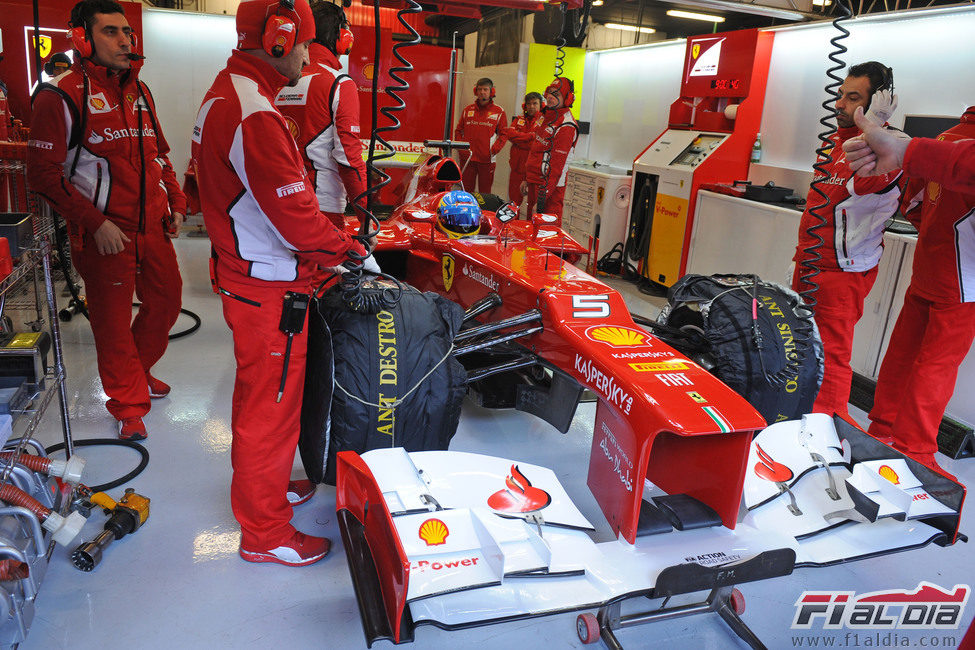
(81, 41)
(281, 30)
(343, 44)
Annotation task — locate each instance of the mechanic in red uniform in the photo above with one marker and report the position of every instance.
(521, 134)
(99, 158)
(323, 113)
(554, 139)
(268, 238)
(481, 124)
(858, 210)
(936, 325)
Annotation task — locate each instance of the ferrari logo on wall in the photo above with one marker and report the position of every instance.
(695, 50)
(447, 267)
(45, 46)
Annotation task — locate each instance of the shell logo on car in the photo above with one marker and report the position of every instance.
(617, 337)
(888, 473)
(434, 532)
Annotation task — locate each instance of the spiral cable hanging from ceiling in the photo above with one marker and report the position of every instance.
(808, 267)
(352, 281)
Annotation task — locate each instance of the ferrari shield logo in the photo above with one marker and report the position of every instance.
(695, 50)
(600, 192)
(447, 266)
(44, 47)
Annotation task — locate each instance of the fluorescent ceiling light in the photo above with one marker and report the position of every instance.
(597, 3)
(630, 28)
(819, 3)
(676, 13)
(741, 7)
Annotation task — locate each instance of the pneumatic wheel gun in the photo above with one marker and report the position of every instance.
(125, 517)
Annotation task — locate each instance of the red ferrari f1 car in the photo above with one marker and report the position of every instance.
(699, 492)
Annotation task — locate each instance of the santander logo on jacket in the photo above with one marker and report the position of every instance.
(106, 144)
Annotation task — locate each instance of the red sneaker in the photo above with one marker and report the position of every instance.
(132, 429)
(157, 388)
(300, 491)
(300, 550)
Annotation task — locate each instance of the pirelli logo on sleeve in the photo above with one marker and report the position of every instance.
(291, 188)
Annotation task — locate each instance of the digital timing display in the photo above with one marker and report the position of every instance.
(726, 84)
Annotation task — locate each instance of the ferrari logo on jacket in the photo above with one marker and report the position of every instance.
(447, 266)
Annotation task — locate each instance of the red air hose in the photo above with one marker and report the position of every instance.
(30, 461)
(13, 570)
(17, 497)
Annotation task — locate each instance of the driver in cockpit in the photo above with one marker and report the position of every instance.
(458, 214)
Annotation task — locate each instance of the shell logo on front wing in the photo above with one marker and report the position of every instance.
(617, 337)
(434, 532)
(888, 473)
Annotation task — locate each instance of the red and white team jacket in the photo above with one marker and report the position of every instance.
(855, 217)
(482, 127)
(521, 133)
(950, 163)
(553, 141)
(91, 138)
(944, 260)
(331, 146)
(259, 208)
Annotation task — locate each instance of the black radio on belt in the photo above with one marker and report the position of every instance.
(293, 312)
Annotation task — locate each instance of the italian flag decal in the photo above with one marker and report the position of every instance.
(718, 418)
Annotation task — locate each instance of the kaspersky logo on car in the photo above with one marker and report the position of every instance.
(929, 607)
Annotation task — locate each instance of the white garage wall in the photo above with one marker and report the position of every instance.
(931, 53)
(184, 52)
(627, 99)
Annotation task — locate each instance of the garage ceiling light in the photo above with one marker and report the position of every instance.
(676, 13)
(631, 28)
(742, 7)
(597, 3)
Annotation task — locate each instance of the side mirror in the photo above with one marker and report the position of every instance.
(507, 212)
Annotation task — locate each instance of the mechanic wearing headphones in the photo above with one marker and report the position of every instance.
(936, 326)
(481, 124)
(554, 139)
(268, 237)
(99, 158)
(323, 113)
(855, 218)
(521, 133)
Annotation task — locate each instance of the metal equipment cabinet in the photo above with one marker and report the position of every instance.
(596, 198)
(29, 287)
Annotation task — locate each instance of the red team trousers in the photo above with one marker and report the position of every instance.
(839, 305)
(553, 202)
(480, 173)
(265, 431)
(127, 348)
(933, 338)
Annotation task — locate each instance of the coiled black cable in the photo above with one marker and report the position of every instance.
(109, 442)
(808, 268)
(351, 285)
(559, 67)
